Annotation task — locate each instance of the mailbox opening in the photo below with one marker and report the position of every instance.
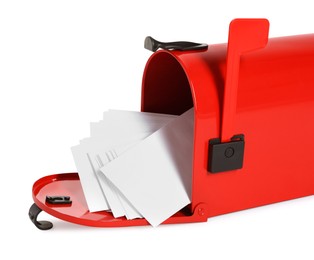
(166, 88)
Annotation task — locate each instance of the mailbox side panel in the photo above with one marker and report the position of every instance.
(275, 112)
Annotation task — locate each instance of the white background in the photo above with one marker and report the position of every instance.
(62, 63)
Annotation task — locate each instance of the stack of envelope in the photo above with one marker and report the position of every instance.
(137, 165)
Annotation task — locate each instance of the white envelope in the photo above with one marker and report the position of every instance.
(155, 174)
(120, 130)
(94, 196)
(117, 202)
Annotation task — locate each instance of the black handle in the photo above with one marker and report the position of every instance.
(55, 201)
(153, 45)
(33, 214)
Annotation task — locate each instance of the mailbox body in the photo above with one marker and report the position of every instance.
(272, 106)
(275, 112)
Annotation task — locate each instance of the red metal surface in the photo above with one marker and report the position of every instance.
(68, 184)
(274, 109)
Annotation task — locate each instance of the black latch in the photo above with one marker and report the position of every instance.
(58, 200)
(226, 156)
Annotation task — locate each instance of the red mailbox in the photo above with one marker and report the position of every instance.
(254, 106)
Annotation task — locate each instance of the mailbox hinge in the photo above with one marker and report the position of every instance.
(226, 156)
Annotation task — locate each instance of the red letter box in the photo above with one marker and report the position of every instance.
(253, 136)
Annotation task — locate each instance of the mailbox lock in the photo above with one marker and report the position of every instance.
(225, 156)
(229, 152)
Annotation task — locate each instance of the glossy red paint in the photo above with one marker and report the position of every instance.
(273, 108)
